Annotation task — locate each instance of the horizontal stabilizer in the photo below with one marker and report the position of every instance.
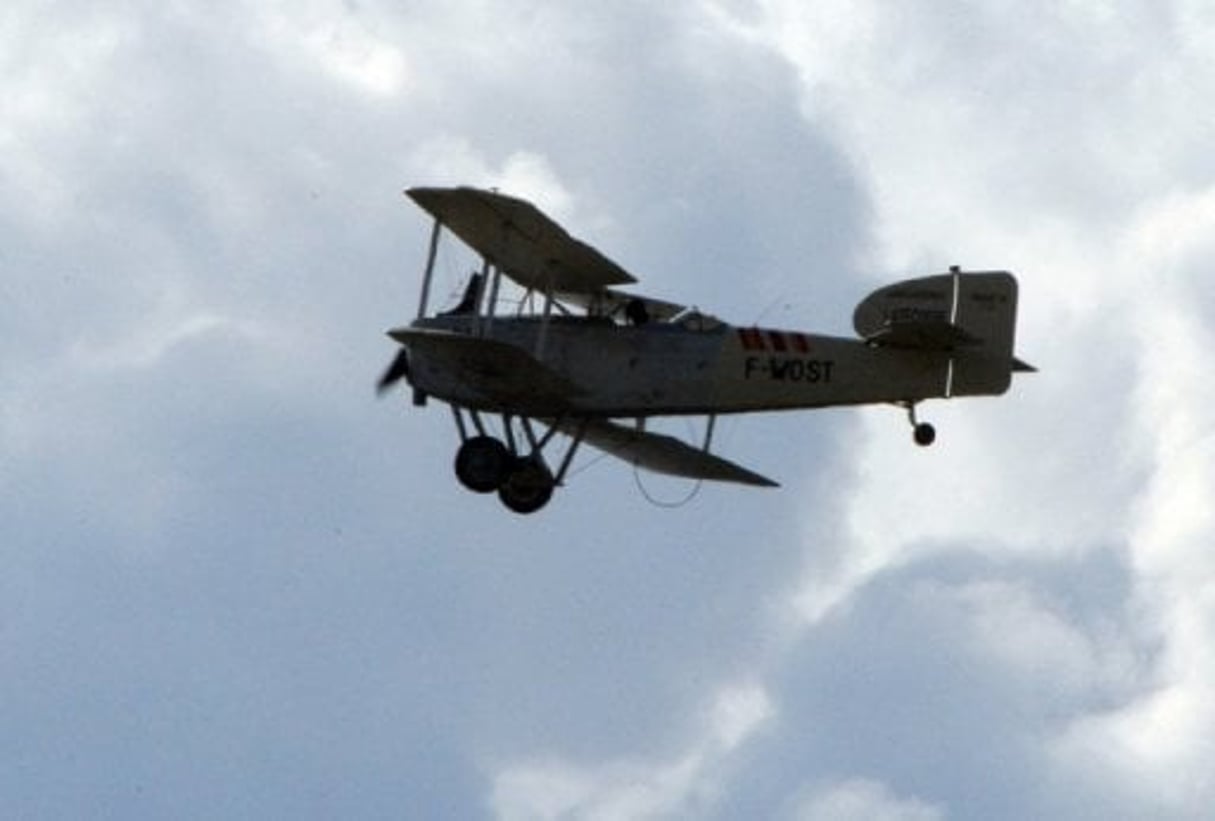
(922, 334)
(942, 312)
(664, 454)
(505, 374)
(1020, 366)
(519, 238)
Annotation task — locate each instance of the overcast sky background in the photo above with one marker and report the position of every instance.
(235, 585)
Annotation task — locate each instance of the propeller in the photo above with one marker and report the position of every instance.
(397, 370)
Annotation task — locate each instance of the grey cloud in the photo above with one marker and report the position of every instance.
(902, 685)
(237, 584)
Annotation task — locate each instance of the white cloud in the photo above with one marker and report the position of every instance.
(1106, 449)
(150, 344)
(559, 790)
(738, 712)
(339, 40)
(1028, 637)
(523, 173)
(860, 799)
(1161, 742)
(52, 75)
(686, 784)
(965, 157)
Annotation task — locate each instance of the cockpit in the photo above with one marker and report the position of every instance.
(693, 320)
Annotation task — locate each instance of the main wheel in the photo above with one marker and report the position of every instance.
(924, 434)
(482, 463)
(527, 487)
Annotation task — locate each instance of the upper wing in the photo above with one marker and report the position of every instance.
(516, 236)
(505, 375)
(664, 454)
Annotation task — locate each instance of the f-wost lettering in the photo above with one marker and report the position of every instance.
(801, 370)
(779, 369)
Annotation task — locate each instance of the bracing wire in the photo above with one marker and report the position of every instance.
(662, 503)
(645, 492)
(574, 471)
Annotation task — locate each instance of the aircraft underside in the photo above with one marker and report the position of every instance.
(522, 418)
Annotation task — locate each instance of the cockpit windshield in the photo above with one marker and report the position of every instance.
(694, 320)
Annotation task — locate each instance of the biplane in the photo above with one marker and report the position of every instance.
(573, 355)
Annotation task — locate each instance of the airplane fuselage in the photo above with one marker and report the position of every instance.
(695, 366)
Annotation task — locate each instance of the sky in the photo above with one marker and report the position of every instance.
(235, 584)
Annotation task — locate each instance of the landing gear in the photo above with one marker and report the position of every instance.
(923, 433)
(482, 464)
(528, 486)
(522, 479)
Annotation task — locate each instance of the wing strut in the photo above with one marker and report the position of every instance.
(709, 425)
(537, 444)
(491, 307)
(482, 312)
(545, 318)
(455, 411)
(576, 440)
(424, 301)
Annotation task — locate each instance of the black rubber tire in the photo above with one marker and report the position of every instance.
(482, 464)
(528, 487)
(924, 434)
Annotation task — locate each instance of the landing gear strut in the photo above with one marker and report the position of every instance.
(486, 464)
(923, 433)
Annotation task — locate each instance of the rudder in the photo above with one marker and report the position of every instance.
(985, 308)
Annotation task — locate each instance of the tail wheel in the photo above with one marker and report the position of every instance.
(924, 434)
(527, 487)
(482, 464)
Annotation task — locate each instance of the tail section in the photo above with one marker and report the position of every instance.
(971, 315)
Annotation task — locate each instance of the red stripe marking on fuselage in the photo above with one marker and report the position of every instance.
(751, 339)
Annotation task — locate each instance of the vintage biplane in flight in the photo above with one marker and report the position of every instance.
(576, 356)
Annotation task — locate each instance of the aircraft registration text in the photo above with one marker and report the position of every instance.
(779, 369)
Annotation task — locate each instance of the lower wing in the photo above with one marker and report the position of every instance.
(663, 454)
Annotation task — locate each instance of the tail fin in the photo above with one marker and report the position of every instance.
(973, 316)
